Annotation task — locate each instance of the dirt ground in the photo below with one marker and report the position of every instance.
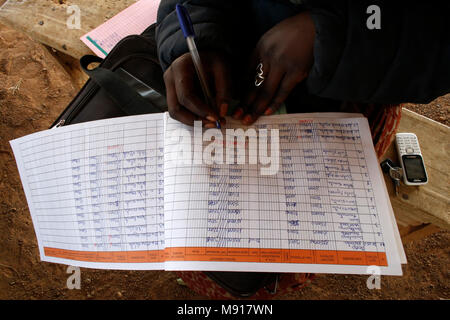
(34, 89)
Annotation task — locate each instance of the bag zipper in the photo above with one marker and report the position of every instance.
(60, 123)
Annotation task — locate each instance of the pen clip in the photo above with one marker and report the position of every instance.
(185, 21)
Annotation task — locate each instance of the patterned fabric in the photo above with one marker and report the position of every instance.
(383, 121)
(385, 129)
(203, 285)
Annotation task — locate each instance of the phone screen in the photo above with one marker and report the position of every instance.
(415, 169)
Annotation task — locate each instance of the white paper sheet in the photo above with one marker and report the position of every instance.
(324, 211)
(95, 192)
(108, 194)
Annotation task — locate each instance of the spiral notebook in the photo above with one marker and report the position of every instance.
(114, 194)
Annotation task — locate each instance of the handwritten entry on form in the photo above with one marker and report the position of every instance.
(103, 195)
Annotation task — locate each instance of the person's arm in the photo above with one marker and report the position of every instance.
(215, 24)
(407, 60)
(331, 48)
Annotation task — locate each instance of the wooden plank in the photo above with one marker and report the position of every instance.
(428, 203)
(45, 21)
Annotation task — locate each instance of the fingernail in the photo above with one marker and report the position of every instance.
(268, 112)
(247, 119)
(238, 114)
(223, 109)
(211, 118)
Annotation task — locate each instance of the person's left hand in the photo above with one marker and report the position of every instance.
(286, 54)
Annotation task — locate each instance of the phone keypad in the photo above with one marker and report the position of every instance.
(408, 145)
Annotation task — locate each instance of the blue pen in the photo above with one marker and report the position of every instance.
(188, 32)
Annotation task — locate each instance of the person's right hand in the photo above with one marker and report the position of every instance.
(185, 99)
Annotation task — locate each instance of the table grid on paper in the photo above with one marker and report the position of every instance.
(97, 191)
(319, 207)
(133, 20)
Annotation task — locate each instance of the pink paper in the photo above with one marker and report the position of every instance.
(133, 20)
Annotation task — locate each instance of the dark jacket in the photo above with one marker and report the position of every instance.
(407, 60)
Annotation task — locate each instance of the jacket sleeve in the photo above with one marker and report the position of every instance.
(407, 60)
(214, 24)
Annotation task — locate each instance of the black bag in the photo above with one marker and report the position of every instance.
(130, 82)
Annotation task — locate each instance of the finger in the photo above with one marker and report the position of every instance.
(176, 111)
(254, 61)
(210, 125)
(223, 86)
(265, 95)
(288, 83)
(187, 93)
(261, 71)
(239, 113)
(246, 102)
(252, 90)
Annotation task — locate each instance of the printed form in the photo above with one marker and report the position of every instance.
(108, 194)
(325, 211)
(133, 20)
(96, 192)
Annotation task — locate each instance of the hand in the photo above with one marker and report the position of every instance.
(185, 99)
(286, 53)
